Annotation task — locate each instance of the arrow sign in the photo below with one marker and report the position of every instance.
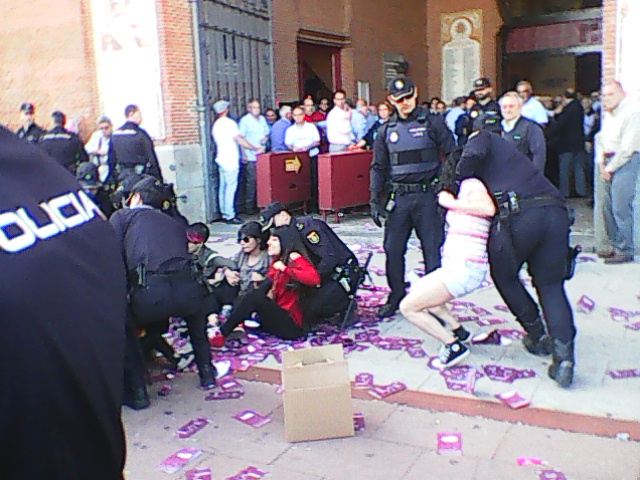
(292, 164)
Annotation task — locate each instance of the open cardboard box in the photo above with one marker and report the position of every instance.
(317, 394)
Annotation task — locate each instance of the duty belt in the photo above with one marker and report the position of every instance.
(401, 188)
(509, 203)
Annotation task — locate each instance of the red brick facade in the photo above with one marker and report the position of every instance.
(47, 52)
(609, 12)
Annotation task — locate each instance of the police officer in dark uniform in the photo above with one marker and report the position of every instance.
(163, 283)
(525, 134)
(532, 226)
(63, 299)
(336, 264)
(131, 148)
(64, 146)
(407, 158)
(88, 178)
(483, 91)
(29, 130)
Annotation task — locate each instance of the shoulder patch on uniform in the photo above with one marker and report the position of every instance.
(299, 225)
(313, 237)
(473, 134)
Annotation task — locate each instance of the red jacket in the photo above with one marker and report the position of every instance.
(300, 270)
(315, 117)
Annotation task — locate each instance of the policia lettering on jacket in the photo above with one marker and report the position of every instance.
(406, 161)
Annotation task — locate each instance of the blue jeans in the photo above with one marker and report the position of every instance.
(572, 162)
(227, 192)
(617, 207)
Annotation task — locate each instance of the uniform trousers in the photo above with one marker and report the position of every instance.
(417, 211)
(539, 236)
(166, 296)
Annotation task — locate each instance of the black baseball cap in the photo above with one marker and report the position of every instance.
(28, 108)
(401, 87)
(481, 83)
(87, 175)
(488, 121)
(271, 211)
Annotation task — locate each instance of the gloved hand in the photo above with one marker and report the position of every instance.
(377, 214)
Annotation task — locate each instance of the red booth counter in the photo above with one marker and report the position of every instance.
(283, 177)
(343, 181)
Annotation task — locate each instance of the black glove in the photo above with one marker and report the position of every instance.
(376, 214)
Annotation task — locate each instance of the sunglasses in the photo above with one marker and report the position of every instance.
(244, 239)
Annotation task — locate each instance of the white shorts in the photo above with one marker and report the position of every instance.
(462, 278)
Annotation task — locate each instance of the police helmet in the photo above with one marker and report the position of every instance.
(488, 121)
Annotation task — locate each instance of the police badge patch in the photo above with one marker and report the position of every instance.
(313, 237)
(299, 225)
(393, 137)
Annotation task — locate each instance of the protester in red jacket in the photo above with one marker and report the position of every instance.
(277, 301)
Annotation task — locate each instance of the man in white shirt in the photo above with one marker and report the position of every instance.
(226, 136)
(98, 149)
(531, 107)
(618, 163)
(255, 129)
(339, 131)
(302, 136)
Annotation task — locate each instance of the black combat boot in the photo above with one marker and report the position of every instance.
(537, 342)
(561, 369)
(207, 375)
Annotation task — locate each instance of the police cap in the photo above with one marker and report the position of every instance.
(270, 211)
(401, 87)
(28, 108)
(152, 191)
(481, 83)
(87, 175)
(489, 121)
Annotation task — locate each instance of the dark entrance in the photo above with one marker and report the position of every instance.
(319, 69)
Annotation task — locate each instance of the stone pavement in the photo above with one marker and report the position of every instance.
(589, 432)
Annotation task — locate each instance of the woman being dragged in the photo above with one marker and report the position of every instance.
(277, 301)
(464, 265)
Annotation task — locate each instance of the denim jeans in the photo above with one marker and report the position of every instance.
(227, 192)
(617, 207)
(572, 162)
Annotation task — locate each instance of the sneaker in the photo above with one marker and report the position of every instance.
(252, 323)
(452, 354)
(462, 334)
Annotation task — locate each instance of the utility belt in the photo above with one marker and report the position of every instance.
(510, 204)
(346, 274)
(405, 188)
(141, 277)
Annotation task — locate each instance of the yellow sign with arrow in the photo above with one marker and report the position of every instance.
(292, 164)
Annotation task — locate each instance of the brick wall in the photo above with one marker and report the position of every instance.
(394, 27)
(492, 22)
(47, 58)
(609, 12)
(177, 66)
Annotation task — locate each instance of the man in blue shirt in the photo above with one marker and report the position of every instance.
(279, 129)
(254, 128)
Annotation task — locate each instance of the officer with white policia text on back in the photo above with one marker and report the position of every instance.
(532, 226)
(406, 160)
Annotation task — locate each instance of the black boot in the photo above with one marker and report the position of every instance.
(137, 398)
(207, 375)
(561, 370)
(537, 342)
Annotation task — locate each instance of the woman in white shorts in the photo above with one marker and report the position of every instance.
(464, 266)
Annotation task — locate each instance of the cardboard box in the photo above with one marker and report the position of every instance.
(317, 394)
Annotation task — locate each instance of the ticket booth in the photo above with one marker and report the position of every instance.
(283, 177)
(343, 181)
